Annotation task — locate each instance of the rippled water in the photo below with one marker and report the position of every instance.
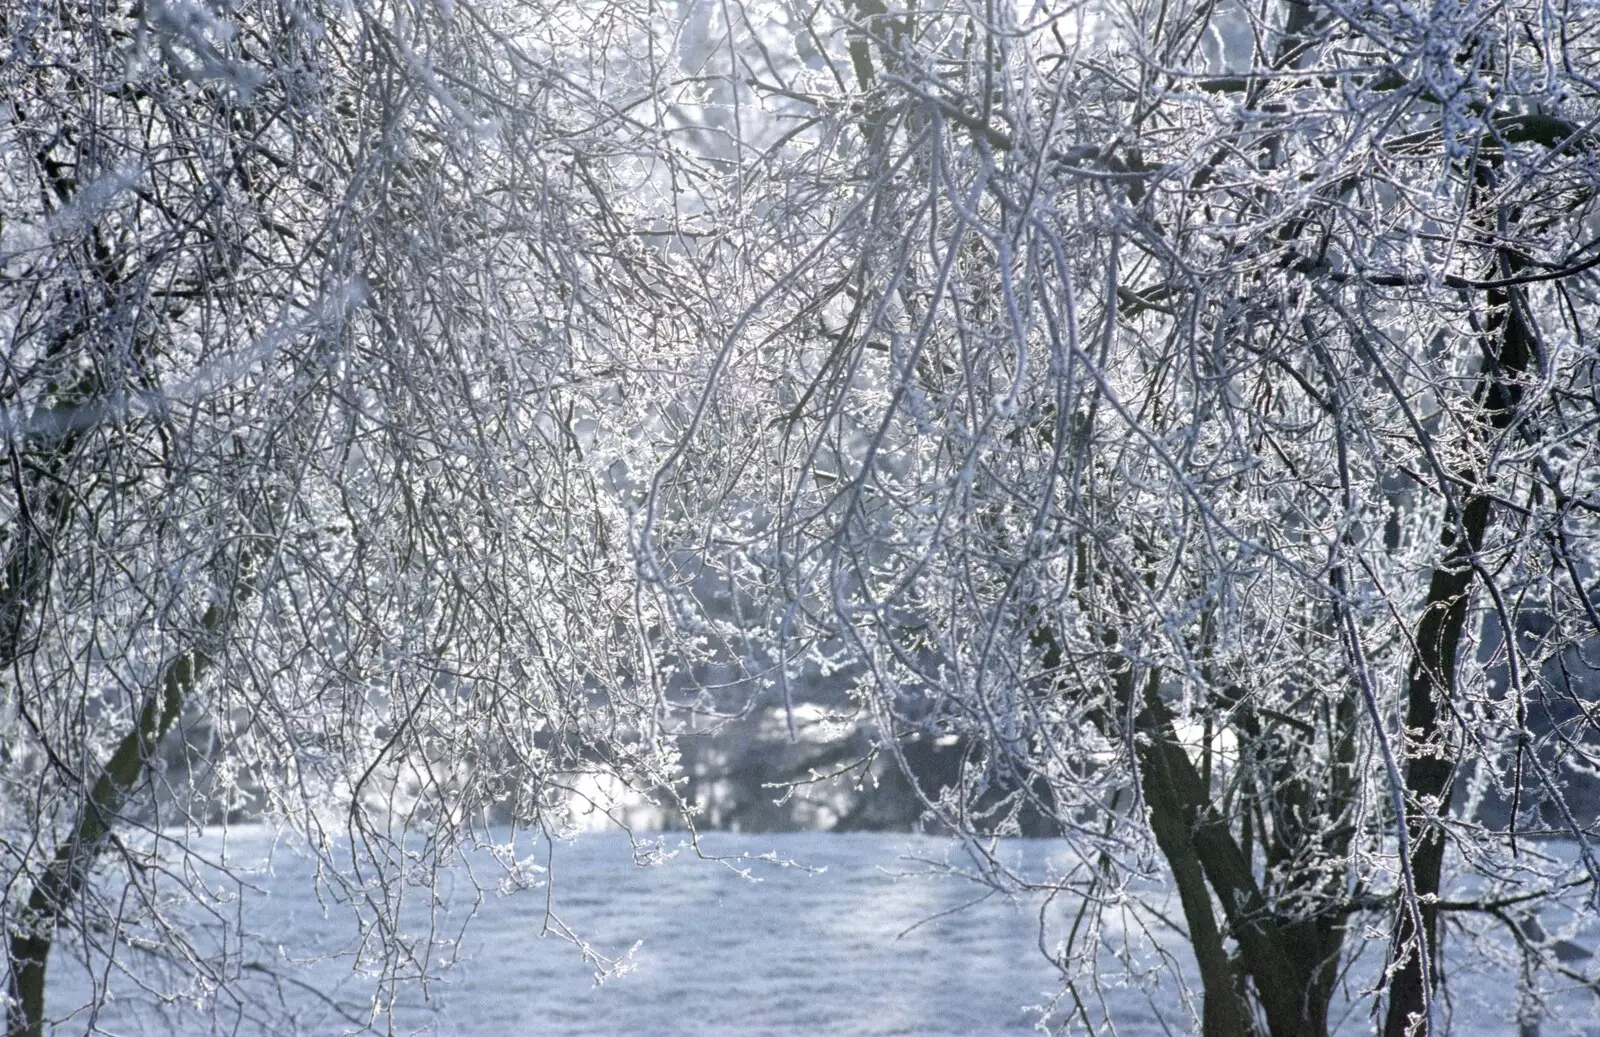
(836, 951)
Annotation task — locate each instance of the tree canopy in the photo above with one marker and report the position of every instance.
(1191, 409)
(312, 315)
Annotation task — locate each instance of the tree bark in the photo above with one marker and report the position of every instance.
(1284, 960)
(1510, 348)
(1174, 818)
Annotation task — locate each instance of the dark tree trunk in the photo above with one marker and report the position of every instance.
(1169, 790)
(1510, 349)
(1287, 961)
(54, 890)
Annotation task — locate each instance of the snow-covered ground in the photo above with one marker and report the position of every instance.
(837, 951)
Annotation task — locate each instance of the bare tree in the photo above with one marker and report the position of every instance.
(1186, 410)
(1191, 410)
(315, 384)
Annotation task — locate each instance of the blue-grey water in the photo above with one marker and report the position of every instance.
(859, 945)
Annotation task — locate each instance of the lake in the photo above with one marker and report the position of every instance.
(864, 941)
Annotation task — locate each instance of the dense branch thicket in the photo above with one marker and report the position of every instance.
(1184, 412)
(1192, 410)
(314, 318)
